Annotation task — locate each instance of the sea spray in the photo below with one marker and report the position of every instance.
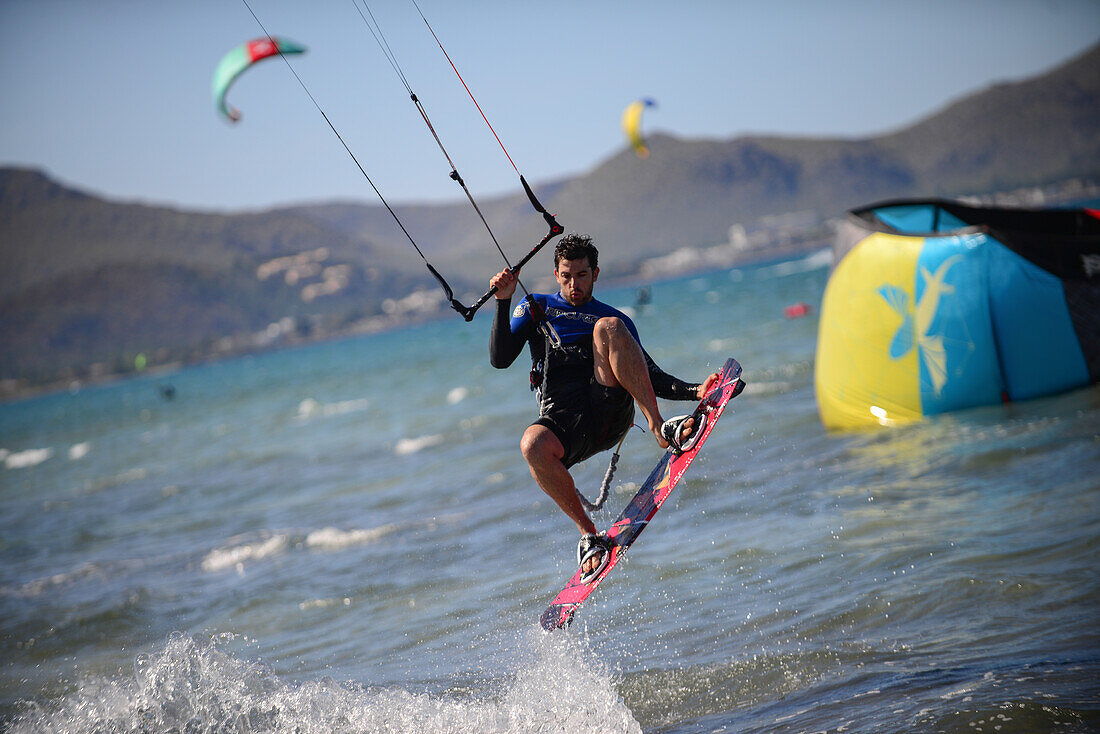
(553, 684)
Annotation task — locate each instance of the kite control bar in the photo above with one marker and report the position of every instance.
(555, 229)
(469, 311)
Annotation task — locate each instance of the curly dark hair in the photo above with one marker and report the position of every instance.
(575, 246)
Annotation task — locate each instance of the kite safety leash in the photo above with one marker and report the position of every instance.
(605, 488)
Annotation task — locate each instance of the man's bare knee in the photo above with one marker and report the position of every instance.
(610, 335)
(610, 328)
(539, 444)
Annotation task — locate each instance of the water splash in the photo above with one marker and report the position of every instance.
(553, 685)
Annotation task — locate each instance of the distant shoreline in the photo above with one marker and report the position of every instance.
(696, 260)
(12, 391)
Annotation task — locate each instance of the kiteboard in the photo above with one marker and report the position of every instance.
(637, 514)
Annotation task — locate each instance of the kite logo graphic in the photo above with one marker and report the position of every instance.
(916, 323)
(1091, 264)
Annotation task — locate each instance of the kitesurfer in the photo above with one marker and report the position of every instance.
(587, 386)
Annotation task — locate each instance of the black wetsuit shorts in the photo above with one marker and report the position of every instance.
(593, 420)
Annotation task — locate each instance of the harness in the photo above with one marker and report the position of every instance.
(576, 355)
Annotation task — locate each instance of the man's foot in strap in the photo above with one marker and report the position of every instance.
(683, 431)
(593, 553)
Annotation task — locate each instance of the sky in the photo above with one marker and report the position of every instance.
(113, 96)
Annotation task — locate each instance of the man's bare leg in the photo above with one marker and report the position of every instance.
(620, 363)
(544, 453)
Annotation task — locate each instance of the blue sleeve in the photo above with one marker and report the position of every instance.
(521, 316)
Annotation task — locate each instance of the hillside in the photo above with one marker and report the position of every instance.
(89, 281)
(689, 192)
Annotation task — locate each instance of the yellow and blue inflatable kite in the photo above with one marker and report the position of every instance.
(936, 306)
(632, 125)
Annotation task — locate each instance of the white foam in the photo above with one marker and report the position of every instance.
(814, 261)
(554, 685)
(323, 603)
(28, 458)
(335, 539)
(37, 586)
(467, 424)
(234, 556)
(723, 345)
(346, 406)
(407, 446)
(310, 407)
(761, 389)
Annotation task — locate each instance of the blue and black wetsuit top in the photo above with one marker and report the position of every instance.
(564, 377)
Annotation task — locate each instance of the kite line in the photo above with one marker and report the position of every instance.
(555, 229)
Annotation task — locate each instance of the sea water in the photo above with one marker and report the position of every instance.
(344, 537)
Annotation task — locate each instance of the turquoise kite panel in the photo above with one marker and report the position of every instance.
(919, 218)
(954, 330)
(1040, 351)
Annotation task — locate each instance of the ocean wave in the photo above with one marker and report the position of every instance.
(767, 389)
(275, 543)
(727, 345)
(555, 685)
(406, 446)
(477, 421)
(788, 370)
(323, 603)
(38, 586)
(27, 458)
(815, 261)
(135, 474)
(235, 556)
(310, 407)
(336, 539)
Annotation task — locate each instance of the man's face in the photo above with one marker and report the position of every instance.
(576, 279)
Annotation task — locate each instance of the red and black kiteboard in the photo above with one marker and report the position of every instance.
(662, 480)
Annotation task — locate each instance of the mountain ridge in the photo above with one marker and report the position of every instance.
(91, 280)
